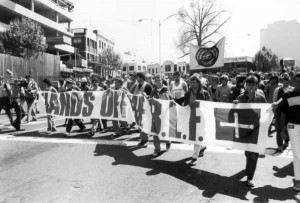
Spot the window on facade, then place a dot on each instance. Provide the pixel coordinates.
(149, 70)
(168, 68)
(156, 70)
(100, 44)
(76, 40)
(139, 68)
(124, 68)
(131, 68)
(175, 67)
(88, 42)
(179, 68)
(144, 67)
(183, 68)
(152, 70)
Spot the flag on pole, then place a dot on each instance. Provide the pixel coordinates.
(204, 58)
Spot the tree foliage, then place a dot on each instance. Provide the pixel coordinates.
(111, 59)
(23, 34)
(265, 60)
(200, 22)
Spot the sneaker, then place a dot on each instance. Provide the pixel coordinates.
(143, 143)
(82, 129)
(67, 134)
(201, 153)
(91, 134)
(250, 182)
(286, 144)
(193, 162)
(54, 130)
(280, 148)
(156, 154)
(168, 146)
(296, 186)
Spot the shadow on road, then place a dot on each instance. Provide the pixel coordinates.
(210, 183)
(285, 171)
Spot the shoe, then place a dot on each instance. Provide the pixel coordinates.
(67, 134)
(91, 134)
(82, 129)
(54, 130)
(286, 144)
(156, 154)
(280, 148)
(295, 188)
(193, 162)
(143, 143)
(34, 119)
(250, 183)
(201, 153)
(99, 130)
(168, 146)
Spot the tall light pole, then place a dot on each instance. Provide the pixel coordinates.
(160, 22)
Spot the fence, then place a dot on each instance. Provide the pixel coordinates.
(38, 65)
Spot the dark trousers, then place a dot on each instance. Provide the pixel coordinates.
(16, 106)
(251, 162)
(280, 130)
(6, 105)
(104, 123)
(70, 124)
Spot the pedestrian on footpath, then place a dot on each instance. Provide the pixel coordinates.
(251, 95)
(30, 98)
(50, 120)
(290, 106)
(196, 92)
(17, 91)
(5, 99)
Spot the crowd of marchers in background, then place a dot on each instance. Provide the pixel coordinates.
(252, 87)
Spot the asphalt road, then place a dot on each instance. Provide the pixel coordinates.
(38, 167)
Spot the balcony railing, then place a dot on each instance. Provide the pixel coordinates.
(64, 4)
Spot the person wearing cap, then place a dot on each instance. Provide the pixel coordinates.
(290, 107)
(96, 125)
(30, 98)
(281, 131)
(251, 95)
(70, 86)
(5, 99)
(196, 92)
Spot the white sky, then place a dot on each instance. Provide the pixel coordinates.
(119, 20)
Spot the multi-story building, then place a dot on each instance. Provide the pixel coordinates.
(238, 64)
(89, 45)
(283, 38)
(169, 67)
(154, 68)
(134, 67)
(54, 16)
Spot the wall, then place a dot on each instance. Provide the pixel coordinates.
(39, 66)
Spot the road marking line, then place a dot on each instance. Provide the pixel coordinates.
(70, 140)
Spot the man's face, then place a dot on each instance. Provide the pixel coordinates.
(133, 78)
(251, 87)
(176, 78)
(273, 81)
(194, 84)
(214, 81)
(285, 81)
(223, 81)
(139, 79)
(95, 84)
(158, 81)
(28, 79)
(117, 85)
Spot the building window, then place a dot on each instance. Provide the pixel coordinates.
(144, 67)
(156, 70)
(152, 70)
(76, 40)
(100, 44)
(139, 68)
(168, 68)
(149, 70)
(179, 68)
(88, 42)
(124, 68)
(131, 68)
(175, 67)
(183, 68)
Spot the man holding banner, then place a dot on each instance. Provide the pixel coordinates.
(251, 96)
(196, 92)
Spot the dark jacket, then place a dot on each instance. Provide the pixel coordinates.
(202, 94)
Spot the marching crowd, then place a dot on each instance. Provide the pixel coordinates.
(282, 89)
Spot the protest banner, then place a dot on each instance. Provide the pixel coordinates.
(241, 126)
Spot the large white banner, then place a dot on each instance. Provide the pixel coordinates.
(241, 126)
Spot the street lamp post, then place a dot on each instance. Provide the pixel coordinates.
(159, 32)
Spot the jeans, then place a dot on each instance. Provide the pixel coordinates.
(294, 132)
(70, 124)
(51, 124)
(251, 162)
(31, 109)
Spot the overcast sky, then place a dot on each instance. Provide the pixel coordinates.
(119, 20)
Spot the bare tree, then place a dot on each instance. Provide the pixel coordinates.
(200, 22)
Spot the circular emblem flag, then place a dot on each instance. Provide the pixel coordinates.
(207, 56)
